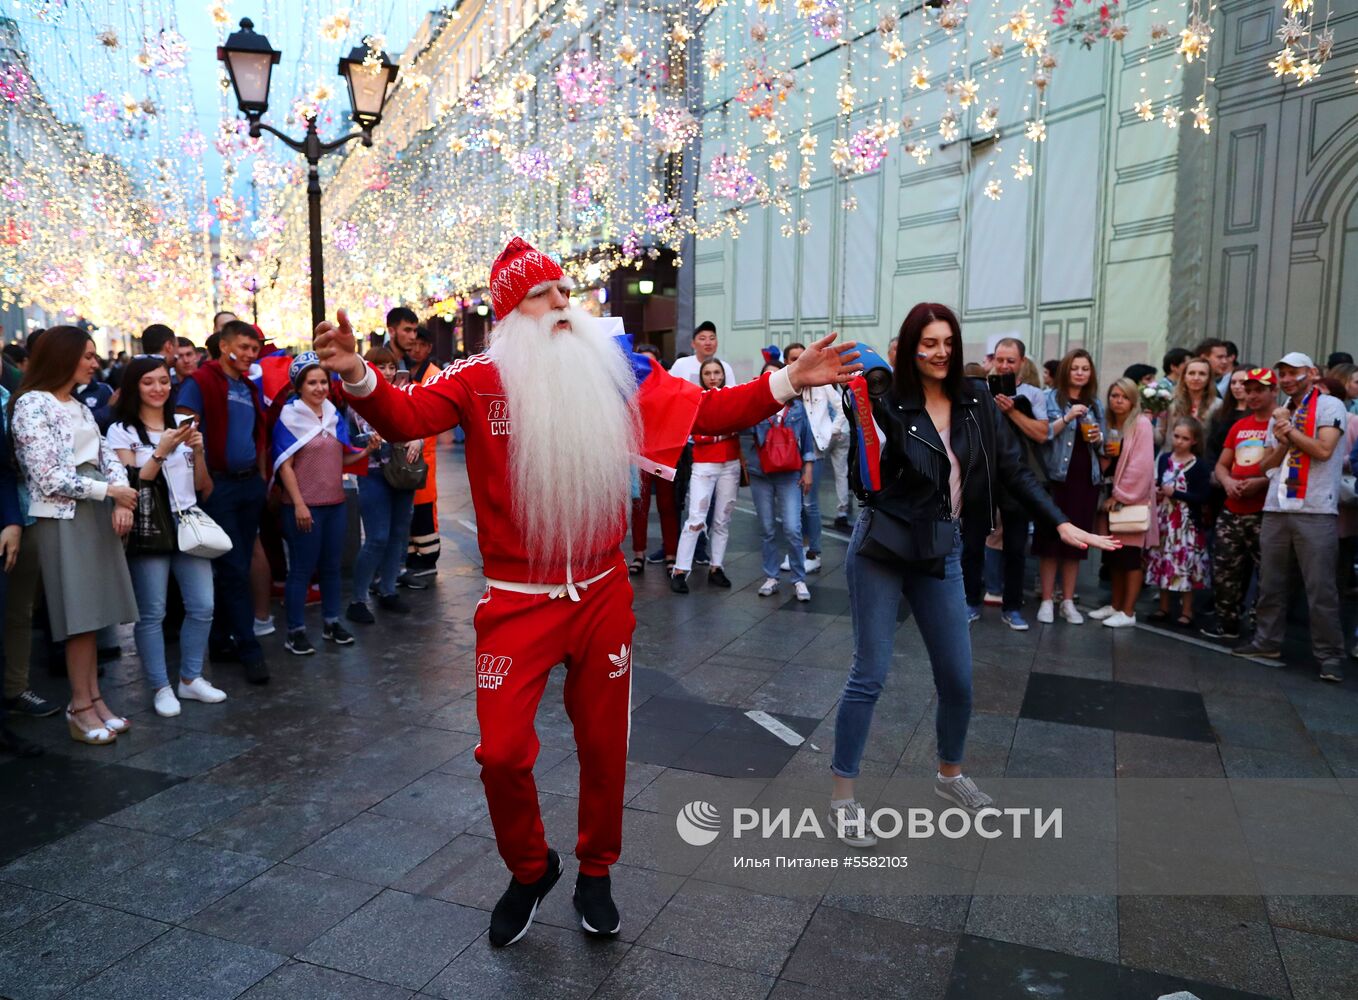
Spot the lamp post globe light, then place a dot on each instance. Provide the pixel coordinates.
(370, 77)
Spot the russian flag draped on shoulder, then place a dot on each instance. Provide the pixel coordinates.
(668, 408)
(298, 424)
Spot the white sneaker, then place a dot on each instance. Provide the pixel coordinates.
(1044, 613)
(770, 587)
(850, 824)
(993, 600)
(1120, 619)
(1071, 613)
(264, 626)
(813, 564)
(1107, 611)
(802, 591)
(201, 689)
(786, 565)
(167, 705)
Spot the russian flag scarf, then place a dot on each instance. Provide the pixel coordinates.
(1297, 465)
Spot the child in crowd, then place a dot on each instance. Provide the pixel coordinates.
(1179, 562)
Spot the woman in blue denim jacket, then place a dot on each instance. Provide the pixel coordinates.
(1075, 429)
(778, 495)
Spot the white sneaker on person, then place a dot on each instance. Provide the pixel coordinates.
(264, 626)
(770, 587)
(802, 591)
(167, 705)
(850, 824)
(786, 565)
(1107, 611)
(1071, 613)
(201, 689)
(994, 600)
(1044, 613)
(813, 564)
(1119, 619)
(963, 792)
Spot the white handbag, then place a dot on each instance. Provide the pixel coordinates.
(199, 535)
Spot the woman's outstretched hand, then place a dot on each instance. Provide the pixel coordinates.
(1077, 538)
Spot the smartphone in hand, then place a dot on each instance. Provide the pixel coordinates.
(1003, 385)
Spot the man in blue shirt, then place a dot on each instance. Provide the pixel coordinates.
(235, 434)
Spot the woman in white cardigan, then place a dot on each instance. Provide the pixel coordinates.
(79, 496)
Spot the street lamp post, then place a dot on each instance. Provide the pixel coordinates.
(249, 63)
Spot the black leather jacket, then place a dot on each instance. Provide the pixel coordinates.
(915, 467)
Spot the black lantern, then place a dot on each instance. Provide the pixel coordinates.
(370, 79)
(249, 63)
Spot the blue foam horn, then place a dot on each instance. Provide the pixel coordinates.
(876, 371)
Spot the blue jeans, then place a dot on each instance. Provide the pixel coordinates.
(811, 510)
(939, 608)
(386, 529)
(316, 551)
(779, 498)
(150, 582)
(236, 505)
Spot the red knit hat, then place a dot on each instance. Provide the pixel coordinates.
(516, 272)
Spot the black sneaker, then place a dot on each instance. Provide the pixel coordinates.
(12, 742)
(411, 582)
(336, 633)
(393, 603)
(593, 900)
(423, 571)
(1220, 633)
(31, 703)
(716, 578)
(514, 913)
(679, 583)
(359, 612)
(298, 644)
(1252, 648)
(842, 524)
(257, 672)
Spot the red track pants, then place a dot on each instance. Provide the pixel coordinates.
(519, 638)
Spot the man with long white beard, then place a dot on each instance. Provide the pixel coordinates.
(555, 413)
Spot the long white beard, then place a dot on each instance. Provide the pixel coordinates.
(574, 430)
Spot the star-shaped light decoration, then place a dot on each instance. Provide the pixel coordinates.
(919, 75)
(1022, 169)
(994, 190)
(989, 119)
(1193, 40)
(967, 92)
(1202, 118)
(1285, 63)
(1143, 110)
(895, 50)
(573, 13)
(1036, 130)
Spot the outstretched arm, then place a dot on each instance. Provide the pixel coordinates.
(414, 411)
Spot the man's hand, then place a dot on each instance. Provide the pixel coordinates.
(335, 346)
(9, 545)
(1005, 403)
(821, 364)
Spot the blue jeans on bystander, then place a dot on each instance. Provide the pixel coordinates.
(316, 551)
(779, 497)
(386, 530)
(151, 582)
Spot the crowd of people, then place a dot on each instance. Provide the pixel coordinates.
(196, 481)
(103, 463)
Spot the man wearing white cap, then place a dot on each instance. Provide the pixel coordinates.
(1301, 517)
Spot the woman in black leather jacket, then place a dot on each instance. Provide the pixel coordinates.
(947, 448)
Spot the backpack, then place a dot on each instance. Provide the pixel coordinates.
(779, 452)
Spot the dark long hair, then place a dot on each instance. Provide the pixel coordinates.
(1089, 395)
(53, 361)
(908, 382)
(128, 408)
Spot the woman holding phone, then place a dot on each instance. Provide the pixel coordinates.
(944, 454)
(154, 443)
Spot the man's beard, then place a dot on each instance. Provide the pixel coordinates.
(573, 432)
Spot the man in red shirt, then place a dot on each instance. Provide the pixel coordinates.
(555, 414)
(1241, 475)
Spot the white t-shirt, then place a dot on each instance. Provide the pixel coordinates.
(690, 367)
(1322, 482)
(84, 432)
(178, 467)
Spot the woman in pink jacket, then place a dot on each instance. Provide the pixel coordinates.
(1129, 465)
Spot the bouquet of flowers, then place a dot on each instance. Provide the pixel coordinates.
(1155, 399)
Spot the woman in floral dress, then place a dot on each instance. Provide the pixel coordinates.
(1179, 562)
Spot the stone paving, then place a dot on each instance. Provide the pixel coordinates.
(326, 836)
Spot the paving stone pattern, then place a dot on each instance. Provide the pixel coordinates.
(326, 836)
